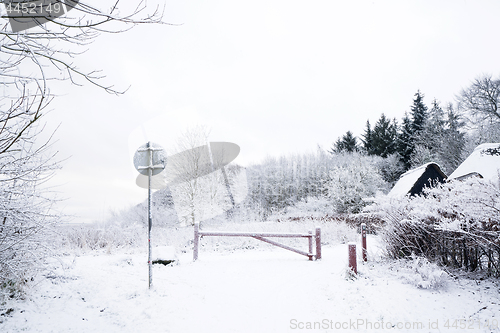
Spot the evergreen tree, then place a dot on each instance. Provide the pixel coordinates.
(418, 114)
(405, 142)
(348, 143)
(436, 120)
(367, 139)
(431, 136)
(412, 130)
(384, 137)
(428, 143)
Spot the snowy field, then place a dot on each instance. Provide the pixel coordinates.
(254, 290)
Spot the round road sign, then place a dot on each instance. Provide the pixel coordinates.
(150, 156)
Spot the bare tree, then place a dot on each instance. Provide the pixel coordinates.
(195, 186)
(29, 61)
(188, 170)
(200, 184)
(481, 100)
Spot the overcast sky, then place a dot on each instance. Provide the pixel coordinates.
(274, 77)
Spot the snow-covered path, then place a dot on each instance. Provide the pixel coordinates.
(248, 291)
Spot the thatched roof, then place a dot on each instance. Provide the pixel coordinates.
(413, 181)
(484, 162)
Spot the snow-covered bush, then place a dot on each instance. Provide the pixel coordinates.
(391, 168)
(456, 223)
(354, 179)
(421, 273)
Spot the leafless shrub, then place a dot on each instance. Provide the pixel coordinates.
(455, 224)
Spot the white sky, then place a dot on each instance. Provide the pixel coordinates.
(274, 77)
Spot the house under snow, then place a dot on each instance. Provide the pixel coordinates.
(413, 181)
(484, 162)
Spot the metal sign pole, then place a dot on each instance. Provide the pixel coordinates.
(150, 222)
(150, 160)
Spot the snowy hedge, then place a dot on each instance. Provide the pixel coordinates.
(456, 224)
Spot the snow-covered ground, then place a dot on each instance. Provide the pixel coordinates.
(253, 290)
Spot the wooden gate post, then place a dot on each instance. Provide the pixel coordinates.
(363, 241)
(352, 258)
(195, 240)
(310, 239)
(318, 243)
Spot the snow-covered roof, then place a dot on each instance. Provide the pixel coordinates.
(409, 179)
(485, 160)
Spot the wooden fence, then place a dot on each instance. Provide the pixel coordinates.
(263, 236)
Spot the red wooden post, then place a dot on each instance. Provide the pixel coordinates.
(310, 239)
(195, 241)
(352, 258)
(318, 243)
(363, 241)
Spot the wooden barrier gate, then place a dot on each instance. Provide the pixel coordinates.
(261, 236)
